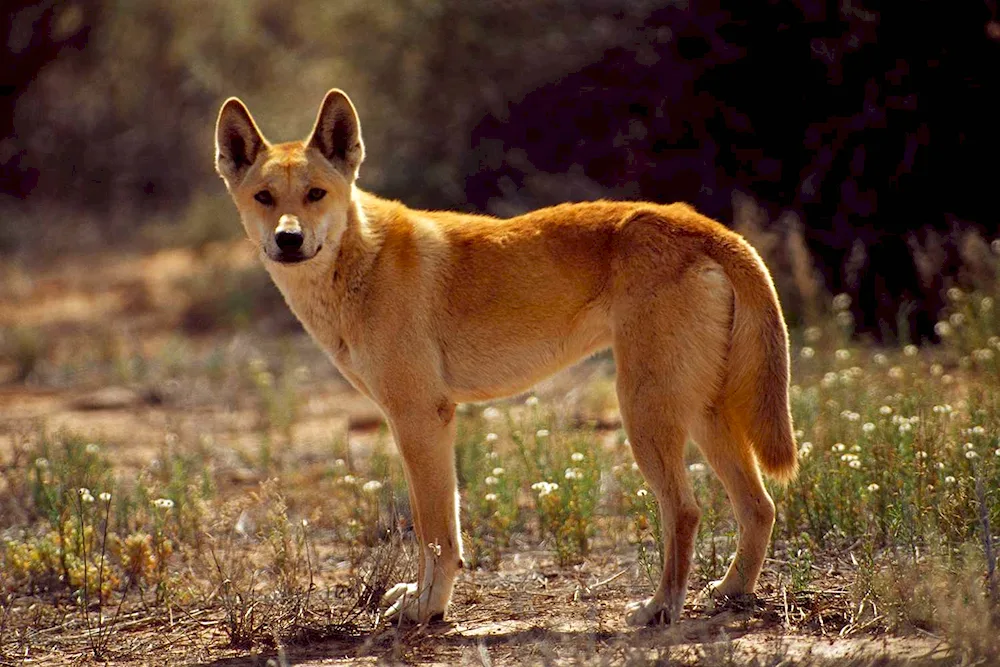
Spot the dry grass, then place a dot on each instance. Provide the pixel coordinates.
(256, 507)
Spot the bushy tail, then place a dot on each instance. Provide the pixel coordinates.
(756, 388)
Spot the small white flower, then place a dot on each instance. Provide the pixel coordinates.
(85, 496)
(371, 486)
(949, 480)
(340, 463)
(105, 497)
(983, 355)
(839, 447)
(942, 329)
(41, 462)
(573, 473)
(947, 379)
(491, 481)
(490, 497)
(936, 370)
(642, 493)
(842, 355)
(921, 454)
(491, 414)
(842, 301)
(885, 410)
(939, 465)
(807, 353)
(910, 350)
(986, 304)
(577, 456)
(531, 401)
(896, 373)
(905, 427)
(967, 446)
(544, 488)
(855, 464)
(542, 433)
(92, 448)
(813, 334)
(955, 294)
(697, 468)
(349, 479)
(164, 503)
(997, 452)
(492, 437)
(971, 454)
(805, 449)
(868, 427)
(872, 488)
(956, 320)
(880, 359)
(635, 466)
(497, 472)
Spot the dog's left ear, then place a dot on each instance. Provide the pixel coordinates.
(238, 142)
(337, 132)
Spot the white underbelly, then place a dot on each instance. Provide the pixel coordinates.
(494, 369)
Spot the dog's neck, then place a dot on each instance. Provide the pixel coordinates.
(315, 290)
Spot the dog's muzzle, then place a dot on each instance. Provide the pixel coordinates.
(289, 238)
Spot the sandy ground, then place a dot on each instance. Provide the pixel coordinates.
(528, 612)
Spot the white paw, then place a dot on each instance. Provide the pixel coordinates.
(407, 605)
(715, 589)
(648, 612)
(719, 591)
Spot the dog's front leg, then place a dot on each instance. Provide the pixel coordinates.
(425, 438)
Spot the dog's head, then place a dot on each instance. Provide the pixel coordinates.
(294, 197)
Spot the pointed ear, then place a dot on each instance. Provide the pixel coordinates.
(238, 142)
(337, 132)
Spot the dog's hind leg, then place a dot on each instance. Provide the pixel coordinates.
(671, 313)
(658, 446)
(726, 448)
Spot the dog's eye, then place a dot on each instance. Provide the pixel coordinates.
(315, 194)
(265, 198)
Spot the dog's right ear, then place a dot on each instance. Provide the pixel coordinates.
(337, 132)
(238, 142)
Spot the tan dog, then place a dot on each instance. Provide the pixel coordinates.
(421, 310)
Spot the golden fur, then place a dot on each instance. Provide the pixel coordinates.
(421, 310)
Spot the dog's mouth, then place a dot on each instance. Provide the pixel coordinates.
(292, 257)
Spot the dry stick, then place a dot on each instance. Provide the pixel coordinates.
(991, 559)
(102, 636)
(86, 585)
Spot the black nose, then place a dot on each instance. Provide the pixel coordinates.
(288, 240)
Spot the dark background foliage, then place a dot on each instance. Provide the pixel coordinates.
(875, 123)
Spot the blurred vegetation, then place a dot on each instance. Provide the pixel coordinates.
(118, 125)
(873, 125)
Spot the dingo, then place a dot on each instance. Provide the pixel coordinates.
(421, 310)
